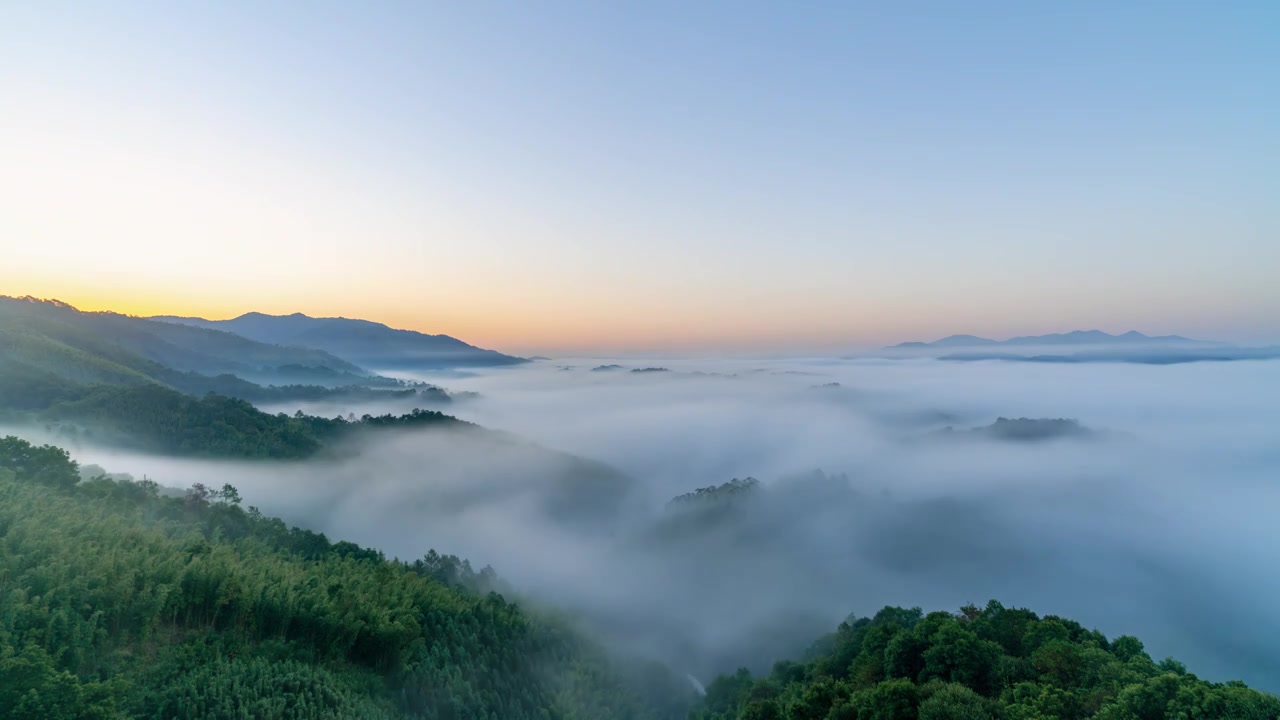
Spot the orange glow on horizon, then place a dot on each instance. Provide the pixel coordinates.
(603, 329)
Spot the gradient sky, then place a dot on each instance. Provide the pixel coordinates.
(663, 175)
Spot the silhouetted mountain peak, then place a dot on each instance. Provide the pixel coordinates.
(108, 347)
(47, 302)
(964, 340)
(364, 342)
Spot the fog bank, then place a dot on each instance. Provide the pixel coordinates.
(1162, 528)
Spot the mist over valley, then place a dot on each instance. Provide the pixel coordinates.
(639, 361)
(880, 483)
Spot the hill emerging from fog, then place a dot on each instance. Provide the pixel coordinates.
(47, 345)
(191, 607)
(92, 378)
(1075, 337)
(110, 347)
(1025, 430)
(366, 343)
(143, 384)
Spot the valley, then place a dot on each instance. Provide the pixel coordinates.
(575, 490)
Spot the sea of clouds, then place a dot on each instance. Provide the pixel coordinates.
(1163, 526)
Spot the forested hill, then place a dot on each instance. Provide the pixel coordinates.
(106, 347)
(991, 663)
(96, 373)
(368, 343)
(158, 420)
(124, 602)
(120, 602)
(45, 344)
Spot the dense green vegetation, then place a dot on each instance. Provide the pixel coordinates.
(155, 419)
(119, 601)
(716, 494)
(991, 663)
(232, 386)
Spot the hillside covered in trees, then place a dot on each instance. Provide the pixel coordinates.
(992, 663)
(110, 347)
(48, 343)
(104, 375)
(121, 601)
(154, 419)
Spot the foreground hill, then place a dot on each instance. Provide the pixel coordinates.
(370, 344)
(125, 601)
(980, 664)
(121, 602)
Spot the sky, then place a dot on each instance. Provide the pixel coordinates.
(663, 176)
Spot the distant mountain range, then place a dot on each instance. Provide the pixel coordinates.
(1075, 337)
(368, 344)
(1085, 346)
(1149, 355)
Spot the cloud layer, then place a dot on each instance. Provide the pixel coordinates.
(1163, 528)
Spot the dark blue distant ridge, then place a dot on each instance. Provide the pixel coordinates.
(1075, 337)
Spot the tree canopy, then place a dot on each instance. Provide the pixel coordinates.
(122, 602)
(990, 663)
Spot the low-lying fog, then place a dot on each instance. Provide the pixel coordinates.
(1163, 527)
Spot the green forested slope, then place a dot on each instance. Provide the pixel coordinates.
(86, 372)
(155, 418)
(991, 663)
(48, 331)
(21, 347)
(63, 346)
(118, 602)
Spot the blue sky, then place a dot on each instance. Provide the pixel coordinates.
(652, 175)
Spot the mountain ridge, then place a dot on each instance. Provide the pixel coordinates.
(29, 323)
(364, 342)
(1073, 337)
